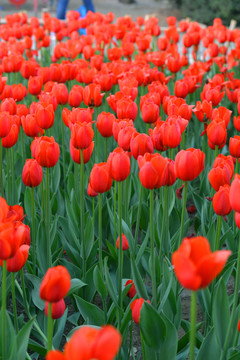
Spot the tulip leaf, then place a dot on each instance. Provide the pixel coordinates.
(90, 312)
(36, 282)
(221, 314)
(110, 286)
(138, 281)
(22, 339)
(10, 337)
(60, 330)
(153, 327)
(56, 175)
(209, 348)
(168, 348)
(27, 202)
(99, 283)
(76, 284)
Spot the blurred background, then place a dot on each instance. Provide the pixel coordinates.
(203, 11)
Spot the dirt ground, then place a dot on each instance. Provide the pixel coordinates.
(160, 8)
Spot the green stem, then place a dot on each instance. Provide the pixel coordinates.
(49, 260)
(218, 232)
(49, 327)
(22, 145)
(183, 212)
(183, 140)
(1, 170)
(93, 212)
(165, 218)
(14, 302)
(12, 174)
(33, 240)
(106, 148)
(235, 301)
(115, 210)
(138, 218)
(100, 232)
(4, 306)
(237, 166)
(63, 148)
(193, 324)
(120, 253)
(154, 285)
(82, 215)
(8, 178)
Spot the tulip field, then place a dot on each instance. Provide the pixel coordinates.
(119, 189)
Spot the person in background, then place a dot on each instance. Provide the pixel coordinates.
(63, 4)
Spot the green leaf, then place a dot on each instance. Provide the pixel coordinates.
(88, 236)
(138, 281)
(91, 313)
(60, 330)
(76, 284)
(99, 283)
(34, 346)
(110, 286)
(10, 336)
(36, 282)
(168, 348)
(56, 175)
(22, 339)
(153, 327)
(221, 314)
(209, 348)
(27, 202)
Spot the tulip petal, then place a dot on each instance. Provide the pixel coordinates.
(211, 266)
(185, 271)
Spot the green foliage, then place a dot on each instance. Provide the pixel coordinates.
(205, 11)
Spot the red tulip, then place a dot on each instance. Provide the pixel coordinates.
(125, 245)
(16, 263)
(100, 180)
(221, 201)
(45, 150)
(35, 84)
(140, 144)
(235, 193)
(105, 124)
(234, 146)
(32, 173)
(58, 309)
(119, 164)
(76, 153)
(189, 164)
(55, 284)
(136, 306)
(195, 265)
(132, 291)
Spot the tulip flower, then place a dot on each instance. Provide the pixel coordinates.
(89, 343)
(132, 291)
(136, 306)
(58, 309)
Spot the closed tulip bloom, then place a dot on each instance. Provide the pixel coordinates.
(30, 125)
(234, 146)
(61, 93)
(100, 179)
(17, 262)
(132, 291)
(76, 153)
(4, 124)
(140, 144)
(105, 124)
(237, 219)
(214, 95)
(8, 105)
(125, 245)
(195, 265)
(225, 160)
(236, 122)
(127, 109)
(46, 151)
(91, 192)
(125, 136)
(156, 136)
(136, 306)
(189, 164)
(12, 137)
(55, 284)
(181, 88)
(82, 135)
(45, 115)
(11, 237)
(152, 170)
(19, 92)
(221, 201)
(35, 84)
(217, 133)
(219, 176)
(120, 124)
(235, 193)
(171, 133)
(150, 112)
(32, 173)
(58, 309)
(119, 164)
(75, 96)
